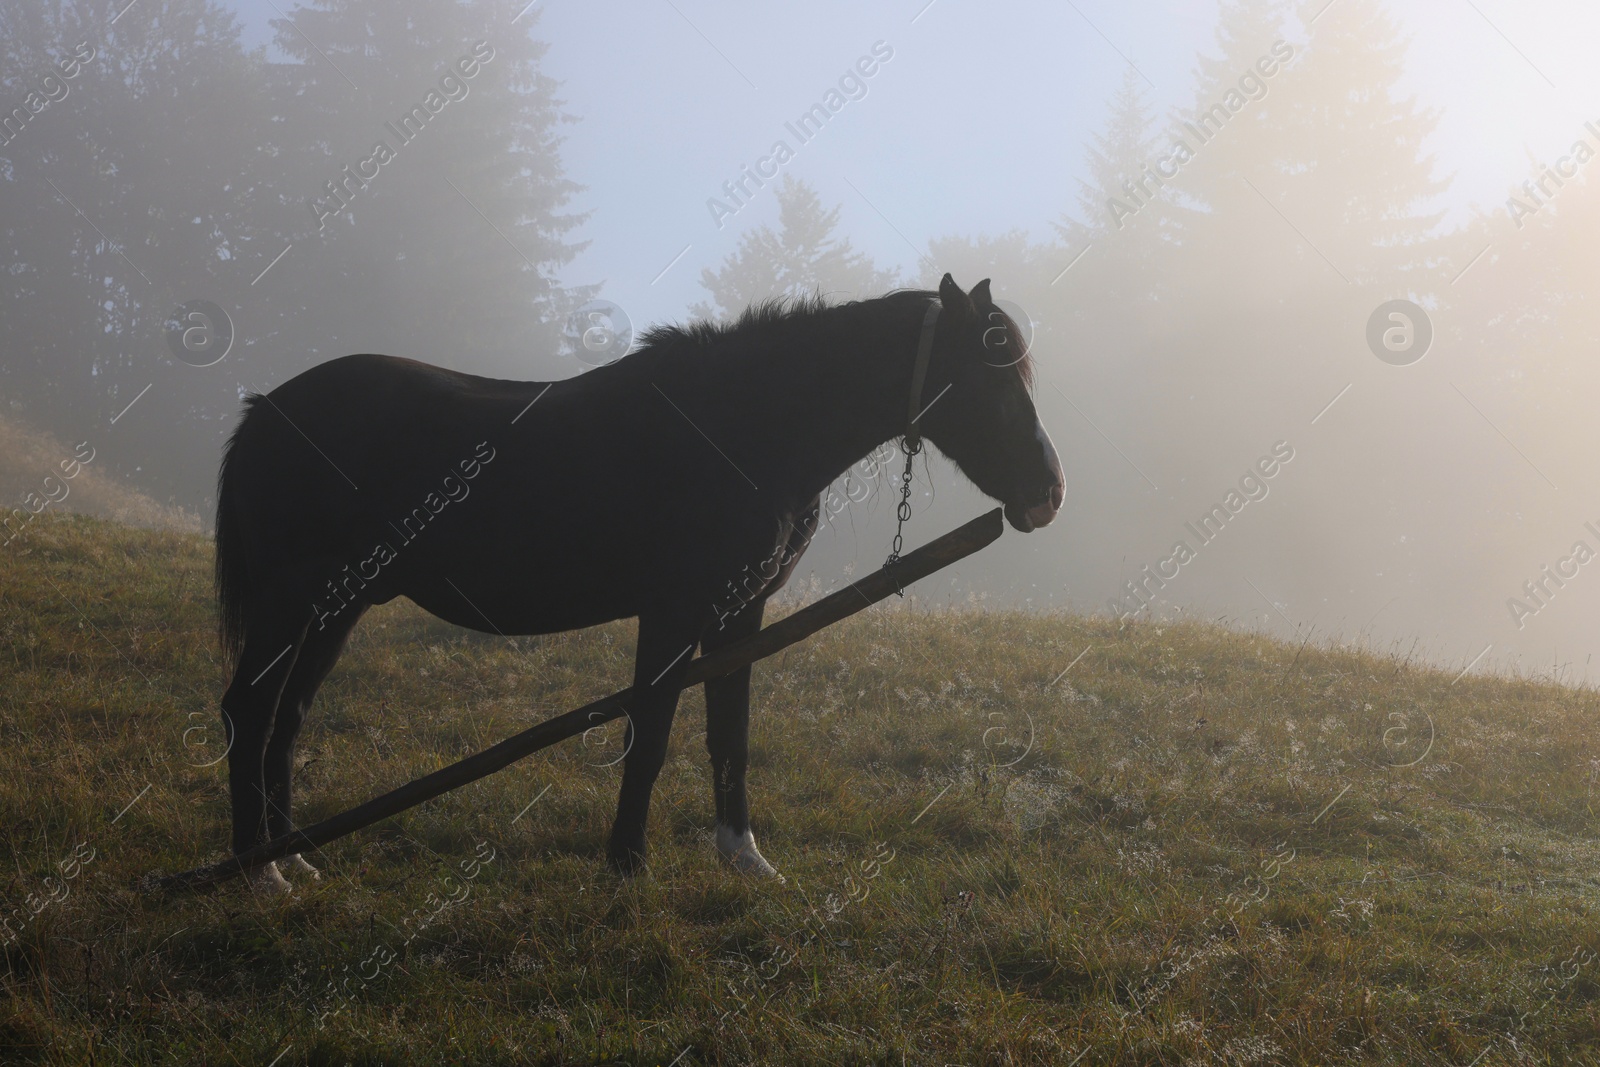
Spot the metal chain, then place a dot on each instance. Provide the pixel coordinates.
(903, 512)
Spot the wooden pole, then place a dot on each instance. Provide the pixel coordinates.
(957, 544)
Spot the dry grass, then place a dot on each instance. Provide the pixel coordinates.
(1109, 890)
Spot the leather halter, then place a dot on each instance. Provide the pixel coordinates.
(919, 372)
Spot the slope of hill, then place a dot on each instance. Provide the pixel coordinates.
(28, 457)
(1008, 839)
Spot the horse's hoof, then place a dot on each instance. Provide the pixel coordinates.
(298, 865)
(739, 849)
(625, 863)
(267, 879)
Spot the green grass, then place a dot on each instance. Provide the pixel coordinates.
(1111, 893)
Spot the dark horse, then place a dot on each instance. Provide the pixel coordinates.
(642, 488)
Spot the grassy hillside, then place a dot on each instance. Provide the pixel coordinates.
(29, 457)
(1216, 849)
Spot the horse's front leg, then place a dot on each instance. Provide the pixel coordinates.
(728, 741)
(728, 705)
(666, 644)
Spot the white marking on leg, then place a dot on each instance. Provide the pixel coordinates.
(739, 849)
(266, 879)
(297, 864)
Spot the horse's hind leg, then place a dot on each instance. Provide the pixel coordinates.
(274, 631)
(318, 653)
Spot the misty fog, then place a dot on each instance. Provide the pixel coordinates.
(1305, 281)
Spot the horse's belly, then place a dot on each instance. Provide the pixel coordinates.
(500, 604)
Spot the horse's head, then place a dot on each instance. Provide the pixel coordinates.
(986, 421)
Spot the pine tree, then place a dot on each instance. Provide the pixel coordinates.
(1121, 243)
(197, 164)
(804, 257)
(451, 253)
(1317, 199)
(155, 143)
(1331, 146)
(1116, 155)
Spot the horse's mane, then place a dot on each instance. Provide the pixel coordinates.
(762, 316)
(775, 312)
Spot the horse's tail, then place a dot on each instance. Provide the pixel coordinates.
(232, 567)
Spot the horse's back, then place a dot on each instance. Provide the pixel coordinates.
(322, 455)
(377, 387)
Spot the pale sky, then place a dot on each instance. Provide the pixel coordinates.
(674, 97)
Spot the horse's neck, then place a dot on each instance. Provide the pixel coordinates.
(856, 383)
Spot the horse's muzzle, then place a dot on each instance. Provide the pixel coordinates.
(1028, 519)
(1043, 514)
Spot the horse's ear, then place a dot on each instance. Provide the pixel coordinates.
(980, 294)
(951, 296)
